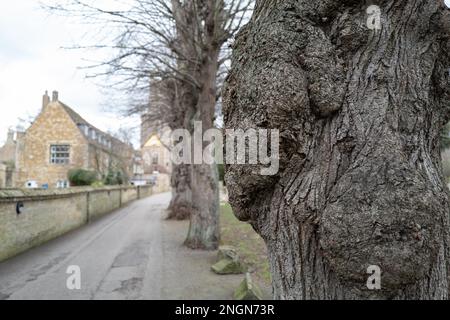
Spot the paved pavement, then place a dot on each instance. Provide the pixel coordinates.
(132, 253)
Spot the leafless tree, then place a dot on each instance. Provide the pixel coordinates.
(124, 134)
(177, 46)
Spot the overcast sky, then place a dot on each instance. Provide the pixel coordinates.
(32, 60)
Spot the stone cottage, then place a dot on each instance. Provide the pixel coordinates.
(59, 139)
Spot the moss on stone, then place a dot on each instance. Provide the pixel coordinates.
(247, 290)
(228, 266)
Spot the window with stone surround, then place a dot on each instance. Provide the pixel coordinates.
(59, 154)
(155, 158)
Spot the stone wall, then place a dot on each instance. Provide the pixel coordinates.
(7, 176)
(129, 194)
(2, 176)
(102, 202)
(162, 183)
(146, 191)
(8, 150)
(47, 214)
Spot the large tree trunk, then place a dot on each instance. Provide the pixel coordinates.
(183, 99)
(359, 113)
(204, 231)
(180, 206)
(198, 103)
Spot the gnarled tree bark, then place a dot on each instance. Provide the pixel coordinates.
(180, 205)
(359, 113)
(204, 229)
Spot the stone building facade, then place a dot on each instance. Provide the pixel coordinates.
(8, 161)
(155, 148)
(155, 156)
(8, 150)
(3, 171)
(59, 140)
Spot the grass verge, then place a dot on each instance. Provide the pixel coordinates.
(250, 245)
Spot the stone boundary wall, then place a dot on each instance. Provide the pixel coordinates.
(163, 183)
(29, 217)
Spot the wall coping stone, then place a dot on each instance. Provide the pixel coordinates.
(14, 195)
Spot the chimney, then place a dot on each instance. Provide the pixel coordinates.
(45, 99)
(55, 96)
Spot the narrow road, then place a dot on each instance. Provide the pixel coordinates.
(132, 253)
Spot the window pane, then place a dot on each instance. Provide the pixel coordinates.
(59, 154)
